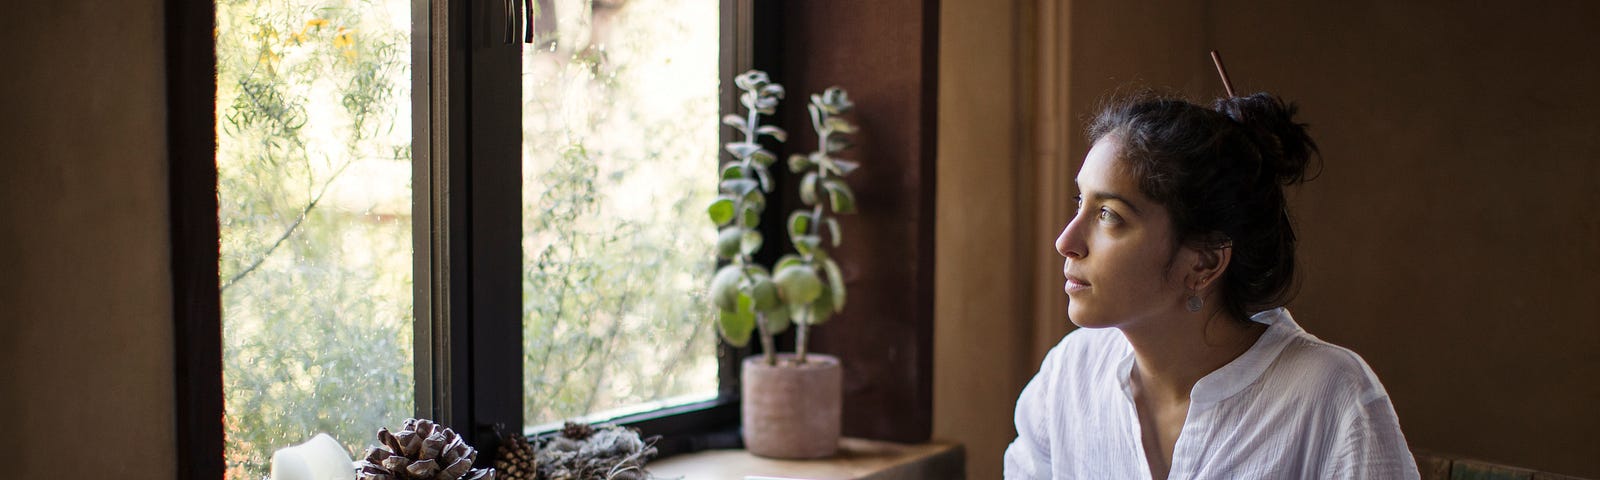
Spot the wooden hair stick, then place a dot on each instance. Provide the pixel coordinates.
(1226, 84)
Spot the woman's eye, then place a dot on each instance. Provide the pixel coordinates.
(1106, 215)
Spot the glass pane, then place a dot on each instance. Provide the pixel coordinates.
(314, 193)
(619, 160)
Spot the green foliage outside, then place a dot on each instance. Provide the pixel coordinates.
(619, 137)
(314, 192)
(313, 168)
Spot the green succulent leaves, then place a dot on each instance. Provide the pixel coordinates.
(761, 95)
(742, 291)
(721, 211)
(735, 325)
(806, 287)
(728, 242)
(833, 101)
(801, 277)
(798, 284)
(774, 132)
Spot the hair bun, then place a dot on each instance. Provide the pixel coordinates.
(1286, 148)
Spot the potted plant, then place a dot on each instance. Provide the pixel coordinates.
(791, 402)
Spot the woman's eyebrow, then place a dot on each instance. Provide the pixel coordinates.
(1101, 196)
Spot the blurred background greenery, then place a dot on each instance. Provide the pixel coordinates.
(314, 187)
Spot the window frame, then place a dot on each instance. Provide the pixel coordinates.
(467, 283)
(192, 193)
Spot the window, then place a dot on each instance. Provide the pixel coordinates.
(470, 261)
(364, 258)
(619, 146)
(314, 200)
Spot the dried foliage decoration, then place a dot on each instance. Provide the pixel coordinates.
(604, 452)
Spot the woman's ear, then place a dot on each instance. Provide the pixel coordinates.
(1210, 262)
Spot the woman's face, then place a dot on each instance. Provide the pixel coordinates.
(1120, 269)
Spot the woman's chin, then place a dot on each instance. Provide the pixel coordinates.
(1085, 317)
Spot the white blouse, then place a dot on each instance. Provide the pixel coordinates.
(1293, 406)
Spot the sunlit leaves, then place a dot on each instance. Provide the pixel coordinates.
(798, 284)
(752, 216)
(743, 180)
(729, 240)
(808, 188)
(736, 324)
(820, 174)
(799, 163)
(741, 149)
(721, 211)
(750, 242)
(835, 283)
(799, 223)
(807, 245)
(833, 230)
(739, 186)
(736, 122)
(313, 168)
(774, 132)
(839, 195)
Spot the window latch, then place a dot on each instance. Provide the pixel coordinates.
(509, 7)
(527, 21)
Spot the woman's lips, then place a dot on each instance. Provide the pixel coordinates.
(1076, 284)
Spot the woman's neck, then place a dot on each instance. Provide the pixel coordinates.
(1173, 353)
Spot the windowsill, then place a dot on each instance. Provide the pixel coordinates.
(857, 459)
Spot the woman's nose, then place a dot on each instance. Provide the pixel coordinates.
(1070, 243)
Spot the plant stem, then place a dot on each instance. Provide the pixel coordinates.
(768, 351)
(750, 129)
(800, 329)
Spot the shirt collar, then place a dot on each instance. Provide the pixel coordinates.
(1236, 375)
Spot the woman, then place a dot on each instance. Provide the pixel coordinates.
(1178, 264)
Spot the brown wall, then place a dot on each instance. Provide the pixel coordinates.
(86, 350)
(879, 52)
(977, 316)
(1453, 239)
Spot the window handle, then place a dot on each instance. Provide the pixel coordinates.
(527, 21)
(510, 9)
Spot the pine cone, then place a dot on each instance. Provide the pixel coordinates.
(577, 431)
(517, 459)
(422, 450)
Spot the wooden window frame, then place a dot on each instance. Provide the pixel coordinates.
(468, 270)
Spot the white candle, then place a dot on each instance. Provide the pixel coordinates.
(320, 458)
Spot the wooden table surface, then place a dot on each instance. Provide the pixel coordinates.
(857, 459)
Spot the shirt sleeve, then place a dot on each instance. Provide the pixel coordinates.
(1028, 457)
(1370, 445)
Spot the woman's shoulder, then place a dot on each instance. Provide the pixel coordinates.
(1324, 369)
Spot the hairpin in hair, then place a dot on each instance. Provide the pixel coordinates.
(1226, 84)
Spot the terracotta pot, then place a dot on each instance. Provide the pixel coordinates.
(791, 410)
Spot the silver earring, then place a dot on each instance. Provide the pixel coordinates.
(1195, 303)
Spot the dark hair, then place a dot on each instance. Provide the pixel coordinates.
(1220, 171)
